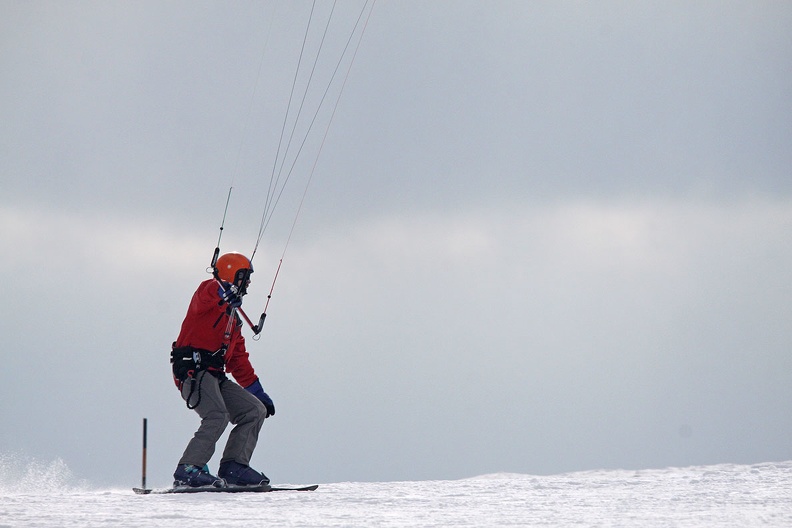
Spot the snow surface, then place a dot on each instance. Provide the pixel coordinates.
(708, 496)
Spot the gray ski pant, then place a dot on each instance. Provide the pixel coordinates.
(221, 402)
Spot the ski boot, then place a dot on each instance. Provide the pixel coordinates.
(195, 476)
(236, 474)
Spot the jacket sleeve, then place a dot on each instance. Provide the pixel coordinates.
(206, 298)
(238, 365)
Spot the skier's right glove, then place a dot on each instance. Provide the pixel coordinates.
(228, 296)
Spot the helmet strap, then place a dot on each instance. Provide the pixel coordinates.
(241, 279)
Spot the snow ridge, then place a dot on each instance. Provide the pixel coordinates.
(725, 495)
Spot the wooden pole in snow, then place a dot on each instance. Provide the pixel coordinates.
(145, 433)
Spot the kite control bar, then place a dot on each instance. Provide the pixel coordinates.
(256, 328)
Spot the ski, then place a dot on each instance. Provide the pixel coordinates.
(225, 489)
(312, 487)
(203, 489)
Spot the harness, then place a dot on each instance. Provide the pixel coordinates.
(189, 361)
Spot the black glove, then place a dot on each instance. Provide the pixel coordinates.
(256, 390)
(227, 295)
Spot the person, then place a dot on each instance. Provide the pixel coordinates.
(210, 344)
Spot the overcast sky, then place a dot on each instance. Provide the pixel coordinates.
(540, 236)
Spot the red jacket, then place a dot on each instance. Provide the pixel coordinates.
(204, 327)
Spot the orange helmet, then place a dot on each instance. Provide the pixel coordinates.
(234, 268)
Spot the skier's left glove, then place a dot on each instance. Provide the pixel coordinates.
(256, 390)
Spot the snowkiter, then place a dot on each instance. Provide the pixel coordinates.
(210, 345)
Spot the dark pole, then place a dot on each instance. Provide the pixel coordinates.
(145, 433)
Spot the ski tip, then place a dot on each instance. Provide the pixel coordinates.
(312, 487)
(141, 491)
